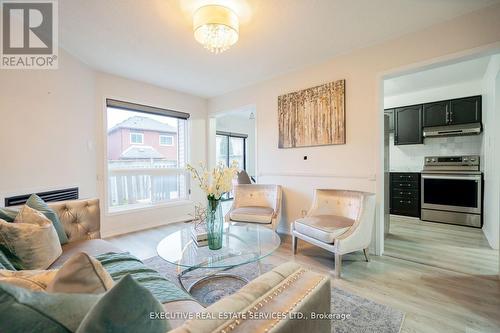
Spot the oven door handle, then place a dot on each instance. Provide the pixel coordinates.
(457, 177)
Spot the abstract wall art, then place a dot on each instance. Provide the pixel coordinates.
(312, 117)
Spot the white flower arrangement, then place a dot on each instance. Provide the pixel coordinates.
(216, 182)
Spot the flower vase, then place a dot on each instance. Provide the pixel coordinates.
(215, 224)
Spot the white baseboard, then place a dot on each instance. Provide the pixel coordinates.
(125, 229)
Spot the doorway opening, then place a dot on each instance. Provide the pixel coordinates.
(234, 140)
(441, 157)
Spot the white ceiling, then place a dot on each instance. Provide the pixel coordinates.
(465, 71)
(152, 40)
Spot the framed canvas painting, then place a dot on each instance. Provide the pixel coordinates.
(312, 117)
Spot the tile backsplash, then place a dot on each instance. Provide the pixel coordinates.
(410, 158)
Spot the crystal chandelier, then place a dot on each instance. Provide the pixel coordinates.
(215, 27)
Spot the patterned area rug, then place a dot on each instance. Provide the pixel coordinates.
(360, 314)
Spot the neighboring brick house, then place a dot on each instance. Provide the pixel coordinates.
(141, 138)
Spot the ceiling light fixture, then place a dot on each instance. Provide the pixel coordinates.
(215, 27)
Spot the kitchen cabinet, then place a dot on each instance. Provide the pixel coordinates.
(436, 114)
(405, 193)
(465, 110)
(452, 112)
(408, 125)
(390, 113)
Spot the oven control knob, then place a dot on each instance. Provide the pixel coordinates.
(472, 159)
(465, 159)
(427, 159)
(433, 160)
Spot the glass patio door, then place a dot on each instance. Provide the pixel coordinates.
(231, 147)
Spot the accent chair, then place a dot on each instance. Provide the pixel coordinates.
(256, 203)
(339, 221)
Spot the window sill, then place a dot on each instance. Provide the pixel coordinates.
(136, 208)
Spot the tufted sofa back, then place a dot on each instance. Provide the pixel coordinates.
(81, 218)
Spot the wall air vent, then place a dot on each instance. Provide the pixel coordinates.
(49, 196)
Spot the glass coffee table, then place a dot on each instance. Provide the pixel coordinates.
(243, 243)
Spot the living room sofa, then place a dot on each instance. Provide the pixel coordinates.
(288, 288)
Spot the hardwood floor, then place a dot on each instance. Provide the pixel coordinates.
(433, 299)
(452, 247)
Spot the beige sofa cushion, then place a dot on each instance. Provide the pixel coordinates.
(324, 228)
(93, 247)
(252, 214)
(32, 238)
(81, 274)
(36, 280)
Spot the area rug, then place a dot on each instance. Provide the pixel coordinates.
(360, 315)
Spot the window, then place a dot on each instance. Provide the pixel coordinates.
(136, 138)
(166, 140)
(231, 147)
(140, 173)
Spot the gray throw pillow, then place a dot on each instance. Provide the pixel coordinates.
(126, 308)
(8, 215)
(23, 310)
(37, 203)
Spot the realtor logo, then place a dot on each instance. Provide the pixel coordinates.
(29, 34)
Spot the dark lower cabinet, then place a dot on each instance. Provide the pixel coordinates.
(408, 125)
(405, 193)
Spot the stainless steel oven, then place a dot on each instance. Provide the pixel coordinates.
(452, 190)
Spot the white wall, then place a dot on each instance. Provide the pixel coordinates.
(454, 90)
(237, 123)
(53, 135)
(491, 151)
(48, 129)
(355, 164)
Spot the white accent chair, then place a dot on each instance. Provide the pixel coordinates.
(339, 221)
(256, 203)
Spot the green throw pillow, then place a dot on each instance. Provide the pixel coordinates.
(23, 310)
(5, 263)
(11, 258)
(8, 215)
(37, 203)
(126, 308)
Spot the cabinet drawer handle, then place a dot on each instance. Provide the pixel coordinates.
(403, 201)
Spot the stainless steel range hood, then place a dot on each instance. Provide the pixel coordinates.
(453, 130)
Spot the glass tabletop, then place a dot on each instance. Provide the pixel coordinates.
(242, 244)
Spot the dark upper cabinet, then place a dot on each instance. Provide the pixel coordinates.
(408, 125)
(436, 114)
(390, 113)
(465, 110)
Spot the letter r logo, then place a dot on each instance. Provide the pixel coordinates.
(27, 27)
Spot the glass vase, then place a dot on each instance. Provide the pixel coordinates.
(215, 224)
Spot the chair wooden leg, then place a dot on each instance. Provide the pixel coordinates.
(338, 264)
(294, 244)
(367, 254)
